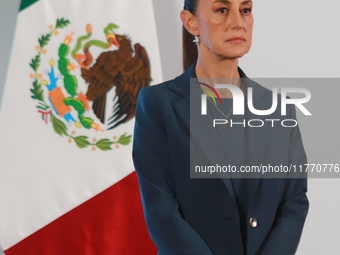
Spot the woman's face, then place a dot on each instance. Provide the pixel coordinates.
(225, 26)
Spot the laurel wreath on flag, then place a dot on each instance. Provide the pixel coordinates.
(46, 110)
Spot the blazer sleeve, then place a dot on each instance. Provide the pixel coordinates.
(151, 156)
(293, 209)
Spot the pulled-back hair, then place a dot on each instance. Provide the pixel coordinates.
(190, 53)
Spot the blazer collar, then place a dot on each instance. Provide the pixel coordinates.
(181, 83)
(258, 138)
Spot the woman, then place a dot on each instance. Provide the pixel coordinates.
(215, 216)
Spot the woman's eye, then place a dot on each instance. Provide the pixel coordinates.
(222, 10)
(246, 11)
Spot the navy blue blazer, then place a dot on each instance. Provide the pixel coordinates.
(188, 216)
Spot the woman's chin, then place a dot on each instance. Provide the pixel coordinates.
(232, 55)
(234, 52)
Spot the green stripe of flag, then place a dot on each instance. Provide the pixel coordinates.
(26, 3)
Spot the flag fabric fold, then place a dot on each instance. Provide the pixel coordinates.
(67, 177)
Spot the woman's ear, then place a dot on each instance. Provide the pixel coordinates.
(189, 22)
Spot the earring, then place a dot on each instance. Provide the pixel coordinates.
(196, 39)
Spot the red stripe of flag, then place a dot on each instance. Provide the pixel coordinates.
(110, 223)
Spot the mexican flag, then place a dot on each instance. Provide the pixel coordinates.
(67, 180)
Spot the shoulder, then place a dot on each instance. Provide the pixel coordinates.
(154, 98)
(154, 103)
(264, 98)
(159, 88)
(164, 93)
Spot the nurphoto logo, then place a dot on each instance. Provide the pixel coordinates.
(238, 104)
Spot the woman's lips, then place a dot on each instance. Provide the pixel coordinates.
(236, 39)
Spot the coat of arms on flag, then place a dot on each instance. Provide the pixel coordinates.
(61, 101)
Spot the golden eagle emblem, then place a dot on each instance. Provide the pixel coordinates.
(120, 68)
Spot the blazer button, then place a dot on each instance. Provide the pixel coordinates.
(253, 222)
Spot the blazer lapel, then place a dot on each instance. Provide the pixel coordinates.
(258, 137)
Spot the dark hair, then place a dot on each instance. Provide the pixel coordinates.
(190, 53)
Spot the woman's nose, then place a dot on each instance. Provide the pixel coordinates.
(236, 20)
